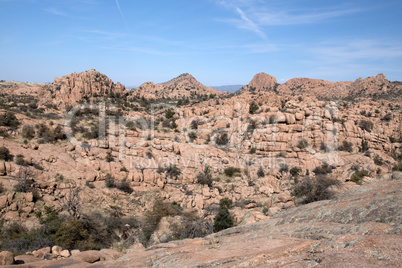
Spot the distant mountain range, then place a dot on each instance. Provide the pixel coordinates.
(230, 88)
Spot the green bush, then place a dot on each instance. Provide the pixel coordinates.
(169, 113)
(19, 160)
(346, 146)
(359, 175)
(222, 139)
(28, 132)
(253, 150)
(295, 171)
(5, 154)
(205, 177)
(253, 108)
(124, 186)
(260, 172)
(322, 170)
(366, 125)
(109, 181)
(192, 136)
(302, 144)
(8, 119)
(173, 171)
(224, 219)
(2, 189)
(310, 190)
(378, 160)
(230, 171)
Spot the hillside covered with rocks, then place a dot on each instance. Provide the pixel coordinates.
(123, 170)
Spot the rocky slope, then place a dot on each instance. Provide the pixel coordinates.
(359, 228)
(376, 87)
(73, 88)
(183, 86)
(269, 141)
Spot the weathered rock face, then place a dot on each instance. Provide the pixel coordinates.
(360, 228)
(375, 86)
(183, 86)
(261, 82)
(72, 88)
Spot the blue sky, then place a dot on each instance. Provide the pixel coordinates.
(219, 42)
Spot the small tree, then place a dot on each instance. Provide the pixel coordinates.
(169, 113)
(5, 154)
(253, 108)
(260, 172)
(205, 177)
(224, 219)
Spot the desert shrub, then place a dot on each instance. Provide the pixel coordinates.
(192, 136)
(253, 150)
(283, 168)
(387, 117)
(295, 171)
(322, 170)
(230, 171)
(5, 154)
(195, 123)
(109, 157)
(19, 160)
(224, 219)
(359, 175)
(309, 190)
(28, 132)
(2, 189)
(205, 177)
(173, 171)
(8, 119)
(192, 226)
(346, 146)
(260, 172)
(302, 144)
(364, 146)
(110, 181)
(366, 125)
(24, 185)
(124, 186)
(253, 108)
(169, 113)
(159, 210)
(378, 160)
(222, 139)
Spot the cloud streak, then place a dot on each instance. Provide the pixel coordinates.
(122, 15)
(255, 15)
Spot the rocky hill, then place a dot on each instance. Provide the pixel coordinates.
(181, 87)
(122, 174)
(76, 87)
(376, 87)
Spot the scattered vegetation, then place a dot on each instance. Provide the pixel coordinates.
(260, 172)
(309, 190)
(366, 125)
(253, 108)
(230, 171)
(205, 177)
(295, 171)
(346, 146)
(224, 219)
(358, 176)
(5, 154)
(222, 139)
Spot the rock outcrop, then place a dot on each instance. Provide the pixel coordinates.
(183, 86)
(73, 88)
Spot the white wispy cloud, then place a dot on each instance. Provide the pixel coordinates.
(122, 15)
(255, 14)
(248, 24)
(57, 12)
